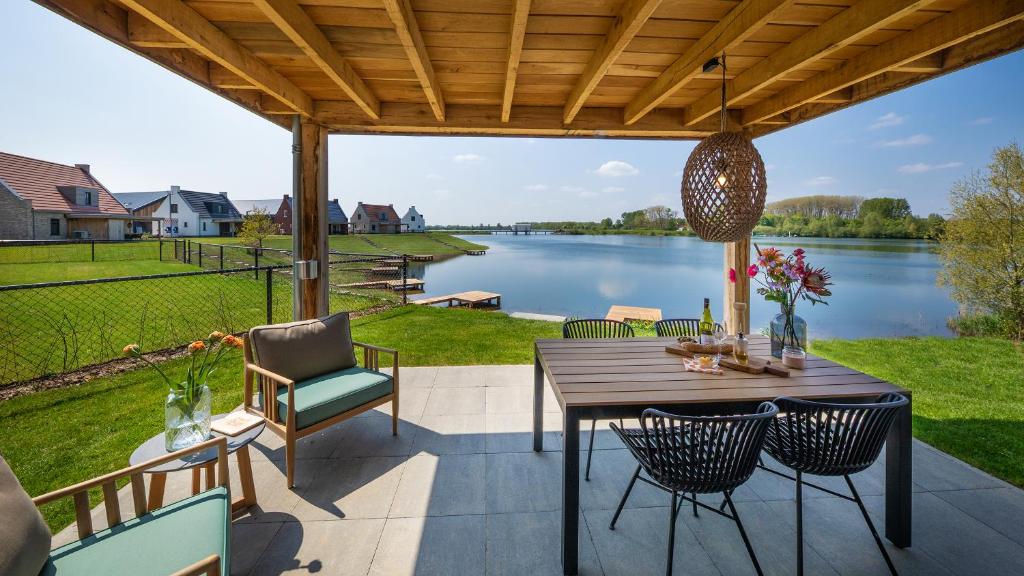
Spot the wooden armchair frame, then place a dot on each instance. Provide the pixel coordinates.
(209, 566)
(269, 382)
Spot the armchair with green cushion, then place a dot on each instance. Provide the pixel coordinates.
(187, 538)
(307, 378)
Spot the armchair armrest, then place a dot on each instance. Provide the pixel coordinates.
(209, 566)
(272, 375)
(371, 356)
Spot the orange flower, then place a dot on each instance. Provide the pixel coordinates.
(232, 341)
(130, 349)
(216, 335)
(196, 346)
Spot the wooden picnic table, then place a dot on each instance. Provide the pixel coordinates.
(613, 378)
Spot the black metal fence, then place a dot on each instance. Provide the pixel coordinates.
(46, 251)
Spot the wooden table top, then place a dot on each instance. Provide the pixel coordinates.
(622, 371)
(623, 313)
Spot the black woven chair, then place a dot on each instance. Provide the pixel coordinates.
(595, 328)
(830, 439)
(696, 455)
(677, 327)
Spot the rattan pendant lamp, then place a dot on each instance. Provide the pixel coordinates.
(724, 185)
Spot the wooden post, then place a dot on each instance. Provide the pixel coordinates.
(737, 256)
(309, 223)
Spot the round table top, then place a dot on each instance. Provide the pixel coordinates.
(156, 447)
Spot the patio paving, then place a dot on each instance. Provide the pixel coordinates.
(460, 491)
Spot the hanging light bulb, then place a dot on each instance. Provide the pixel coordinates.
(724, 185)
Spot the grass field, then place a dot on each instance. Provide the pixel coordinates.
(62, 271)
(58, 437)
(967, 393)
(427, 243)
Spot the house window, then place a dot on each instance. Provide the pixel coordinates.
(383, 216)
(54, 226)
(87, 198)
(413, 218)
(174, 208)
(185, 225)
(204, 226)
(359, 216)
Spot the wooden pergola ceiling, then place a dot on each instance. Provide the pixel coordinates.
(614, 68)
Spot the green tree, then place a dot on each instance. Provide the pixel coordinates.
(982, 248)
(887, 208)
(257, 227)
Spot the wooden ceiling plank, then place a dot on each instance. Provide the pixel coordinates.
(187, 25)
(735, 27)
(631, 18)
(844, 29)
(291, 19)
(404, 20)
(520, 14)
(973, 19)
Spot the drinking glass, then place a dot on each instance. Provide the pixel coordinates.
(719, 336)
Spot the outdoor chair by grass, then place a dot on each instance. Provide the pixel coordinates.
(310, 368)
(186, 538)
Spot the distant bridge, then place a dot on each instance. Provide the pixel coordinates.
(512, 231)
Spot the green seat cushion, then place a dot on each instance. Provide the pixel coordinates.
(323, 397)
(160, 542)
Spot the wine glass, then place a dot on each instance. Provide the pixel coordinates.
(719, 335)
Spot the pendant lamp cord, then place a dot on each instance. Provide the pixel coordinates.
(723, 92)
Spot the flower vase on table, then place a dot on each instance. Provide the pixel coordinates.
(787, 330)
(188, 407)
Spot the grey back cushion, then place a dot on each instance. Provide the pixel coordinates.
(24, 536)
(304, 349)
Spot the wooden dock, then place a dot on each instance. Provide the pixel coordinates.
(397, 285)
(475, 252)
(624, 313)
(384, 270)
(472, 299)
(420, 257)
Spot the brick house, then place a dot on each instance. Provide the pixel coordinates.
(280, 212)
(375, 219)
(42, 200)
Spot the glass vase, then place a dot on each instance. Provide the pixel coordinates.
(187, 417)
(787, 329)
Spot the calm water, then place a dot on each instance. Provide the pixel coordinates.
(882, 288)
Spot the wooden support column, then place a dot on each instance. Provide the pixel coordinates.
(309, 217)
(737, 256)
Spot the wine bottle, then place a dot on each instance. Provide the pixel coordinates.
(707, 324)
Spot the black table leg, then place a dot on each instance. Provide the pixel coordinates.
(898, 478)
(538, 403)
(570, 492)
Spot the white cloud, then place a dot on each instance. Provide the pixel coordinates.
(536, 187)
(572, 189)
(434, 177)
(613, 189)
(441, 193)
(980, 121)
(921, 167)
(887, 120)
(821, 181)
(615, 168)
(915, 140)
(467, 158)
(587, 194)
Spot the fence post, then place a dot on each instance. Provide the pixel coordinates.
(161, 249)
(221, 256)
(200, 254)
(256, 257)
(405, 276)
(270, 296)
(92, 244)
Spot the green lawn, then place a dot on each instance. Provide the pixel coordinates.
(968, 399)
(426, 243)
(58, 437)
(61, 271)
(83, 252)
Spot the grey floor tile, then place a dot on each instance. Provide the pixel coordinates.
(527, 543)
(249, 542)
(508, 375)
(446, 485)
(450, 434)
(411, 403)
(338, 547)
(371, 436)
(460, 377)
(509, 399)
(936, 470)
(441, 545)
(639, 544)
(524, 482)
(274, 500)
(610, 471)
(416, 376)
(351, 488)
(514, 432)
(1000, 508)
(455, 401)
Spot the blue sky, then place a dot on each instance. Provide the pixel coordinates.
(77, 98)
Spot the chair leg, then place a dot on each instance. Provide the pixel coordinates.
(871, 526)
(743, 534)
(590, 448)
(799, 524)
(622, 502)
(289, 459)
(394, 418)
(672, 532)
(695, 515)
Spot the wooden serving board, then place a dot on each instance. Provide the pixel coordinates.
(754, 364)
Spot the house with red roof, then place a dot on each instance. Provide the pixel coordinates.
(375, 219)
(42, 200)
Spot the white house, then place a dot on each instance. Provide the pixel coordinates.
(413, 221)
(190, 213)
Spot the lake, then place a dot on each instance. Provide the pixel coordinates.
(882, 287)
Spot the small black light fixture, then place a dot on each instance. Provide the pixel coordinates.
(712, 65)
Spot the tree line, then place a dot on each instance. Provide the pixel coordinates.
(847, 217)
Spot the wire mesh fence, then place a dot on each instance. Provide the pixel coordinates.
(36, 251)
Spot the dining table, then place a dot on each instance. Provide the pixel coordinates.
(607, 378)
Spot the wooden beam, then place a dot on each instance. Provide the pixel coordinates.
(310, 229)
(843, 29)
(735, 27)
(291, 19)
(187, 25)
(632, 16)
(520, 13)
(402, 16)
(930, 63)
(973, 19)
(470, 119)
(737, 257)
